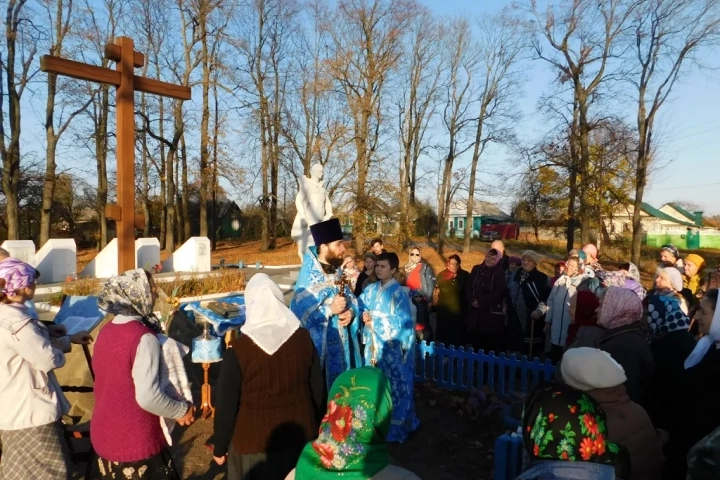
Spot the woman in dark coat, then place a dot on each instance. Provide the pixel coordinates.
(450, 304)
(484, 295)
(626, 339)
(525, 298)
(271, 390)
(700, 393)
(671, 343)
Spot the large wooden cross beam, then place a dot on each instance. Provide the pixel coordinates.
(123, 77)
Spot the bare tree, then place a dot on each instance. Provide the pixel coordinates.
(211, 20)
(460, 71)
(60, 19)
(419, 84)
(579, 39)
(501, 44)
(16, 67)
(100, 27)
(265, 31)
(668, 36)
(367, 43)
(315, 122)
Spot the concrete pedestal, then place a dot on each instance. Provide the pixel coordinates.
(192, 256)
(105, 265)
(147, 253)
(21, 249)
(56, 260)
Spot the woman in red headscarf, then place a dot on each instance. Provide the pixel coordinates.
(583, 313)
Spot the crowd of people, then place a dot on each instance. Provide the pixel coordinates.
(317, 389)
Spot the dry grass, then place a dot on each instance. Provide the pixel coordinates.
(81, 287)
(221, 281)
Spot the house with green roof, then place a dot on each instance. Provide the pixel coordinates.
(677, 212)
(668, 224)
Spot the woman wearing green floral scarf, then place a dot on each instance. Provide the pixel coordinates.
(351, 442)
(565, 432)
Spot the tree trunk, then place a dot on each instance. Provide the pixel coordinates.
(641, 170)
(184, 200)
(445, 198)
(360, 213)
(50, 166)
(145, 200)
(101, 151)
(204, 131)
(570, 232)
(583, 169)
(403, 228)
(214, 183)
(11, 151)
(170, 197)
(163, 178)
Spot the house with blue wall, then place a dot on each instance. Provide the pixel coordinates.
(483, 213)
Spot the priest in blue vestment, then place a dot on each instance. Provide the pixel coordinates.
(389, 338)
(327, 315)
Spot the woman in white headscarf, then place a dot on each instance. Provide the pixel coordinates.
(272, 390)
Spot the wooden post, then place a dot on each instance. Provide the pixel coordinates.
(127, 83)
(125, 114)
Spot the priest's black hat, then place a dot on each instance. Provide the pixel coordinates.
(326, 232)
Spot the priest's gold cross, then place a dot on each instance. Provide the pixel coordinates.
(123, 77)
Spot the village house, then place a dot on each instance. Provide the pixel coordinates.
(484, 214)
(668, 224)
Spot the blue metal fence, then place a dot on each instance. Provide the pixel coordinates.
(509, 377)
(459, 369)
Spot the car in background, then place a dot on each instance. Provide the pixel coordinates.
(490, 236)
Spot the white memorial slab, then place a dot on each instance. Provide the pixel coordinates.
(147, 253)
(56, 260)
(192, 256)
(21, 249)
(105, 265)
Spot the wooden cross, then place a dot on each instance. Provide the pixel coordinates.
(123, 77)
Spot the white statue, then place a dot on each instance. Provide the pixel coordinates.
(313, 206)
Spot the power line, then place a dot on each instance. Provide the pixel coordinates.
(688, 186)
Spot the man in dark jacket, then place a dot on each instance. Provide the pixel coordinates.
(484, 292)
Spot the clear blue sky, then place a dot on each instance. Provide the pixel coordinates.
(690, 125)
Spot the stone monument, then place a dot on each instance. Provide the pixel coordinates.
(23, 250)
(313, 206)
(56, 260)
(147, 253)
(105, 264)
(192, 256)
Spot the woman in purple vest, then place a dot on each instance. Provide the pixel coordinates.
(125, 427)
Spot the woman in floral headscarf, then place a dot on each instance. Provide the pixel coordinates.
(632, 279)
(351, 443)
(125, 428)
(621, 315)
(565, 434)
(32, 401)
